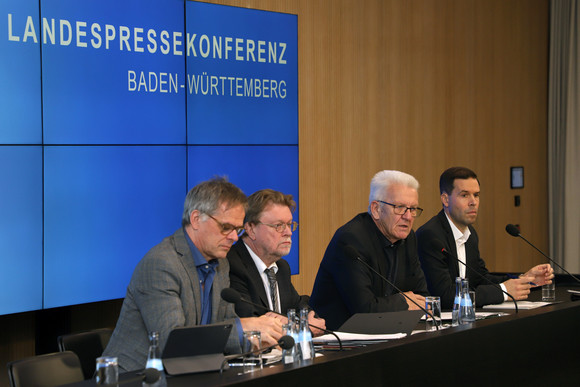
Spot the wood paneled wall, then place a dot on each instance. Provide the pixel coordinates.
(420, 86)
(414, 85)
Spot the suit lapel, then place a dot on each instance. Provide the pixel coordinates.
(450, 242)
(186, 257)
(253, 273)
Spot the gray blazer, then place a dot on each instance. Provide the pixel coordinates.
(163, 294)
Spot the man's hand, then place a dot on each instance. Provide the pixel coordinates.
(318, 322)
(269, 326)
(519, 288)
(419, 299)
(542, 274)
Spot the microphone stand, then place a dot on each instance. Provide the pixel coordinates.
(354, 254)
(513, 231)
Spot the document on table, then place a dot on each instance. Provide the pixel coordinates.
(523, 305)
(447, 316)
(350, 337)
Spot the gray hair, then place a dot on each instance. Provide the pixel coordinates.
(207, 196)
(384, 179)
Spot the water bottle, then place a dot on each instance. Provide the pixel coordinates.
(305, 337)
(292, 355)
(466, 313)
(456, 303)
(154, 356)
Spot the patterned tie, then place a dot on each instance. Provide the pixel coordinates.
(273, 293)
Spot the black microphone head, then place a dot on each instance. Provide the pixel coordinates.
(512, 230)
(231, 295)
(286, 342)
(151, 375)
(351, 252)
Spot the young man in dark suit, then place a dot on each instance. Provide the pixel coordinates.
(452, 229)
(257, 270)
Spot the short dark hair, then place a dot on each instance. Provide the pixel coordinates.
(259, 200)
(207, 196)
(447, 179)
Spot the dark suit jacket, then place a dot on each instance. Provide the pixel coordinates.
(441, 271)
(164, 294)
(345, 286)
(245, 278)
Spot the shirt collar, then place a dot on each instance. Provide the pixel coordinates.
(260, 265)
(198, 258)
(460, 237)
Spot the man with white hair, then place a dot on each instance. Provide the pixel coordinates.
(383, 238)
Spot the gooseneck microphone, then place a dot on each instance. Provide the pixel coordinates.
(285, 342)
(233, 296)
(352, 253)
(437, 245)
(515, 232)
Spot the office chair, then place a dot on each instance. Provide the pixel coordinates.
(53, 369)
(88, 346)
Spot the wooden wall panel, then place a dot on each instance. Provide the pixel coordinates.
(415, 85)
(420, 86)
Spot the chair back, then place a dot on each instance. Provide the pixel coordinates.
(88, 346)
(53, 369)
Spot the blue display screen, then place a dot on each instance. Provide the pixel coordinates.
(102, 133)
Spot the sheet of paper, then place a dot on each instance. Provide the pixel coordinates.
(344, 336)
(523, 305)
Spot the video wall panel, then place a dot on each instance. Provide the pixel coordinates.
(251, 168)
(20, 228)
(20, 99)
(97, 107)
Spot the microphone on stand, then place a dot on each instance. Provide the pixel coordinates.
(515, 232)
(438, 246)
(353, 254)
(233, 296)
(285, 342)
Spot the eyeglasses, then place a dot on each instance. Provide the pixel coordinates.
(227, 228)
(400, 210)
(280, 227)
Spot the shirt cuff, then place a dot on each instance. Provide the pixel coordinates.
(505, 296)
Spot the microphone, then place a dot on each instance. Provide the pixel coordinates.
(285, 342)
(233, 296)
(438, 246)
(515, 232)
(148, 375)
(352, 253)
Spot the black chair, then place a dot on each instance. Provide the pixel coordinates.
(88, 346)
(53, 369)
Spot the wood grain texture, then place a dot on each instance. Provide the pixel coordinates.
(420, 86)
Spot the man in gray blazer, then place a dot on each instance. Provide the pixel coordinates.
(179, 282)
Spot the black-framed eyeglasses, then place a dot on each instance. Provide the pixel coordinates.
(400, 210)
(226, 228)
(280, 227)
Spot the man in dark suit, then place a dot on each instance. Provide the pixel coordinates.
(178, 283)
(257, 269)
(382, 237)
(452, 229)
